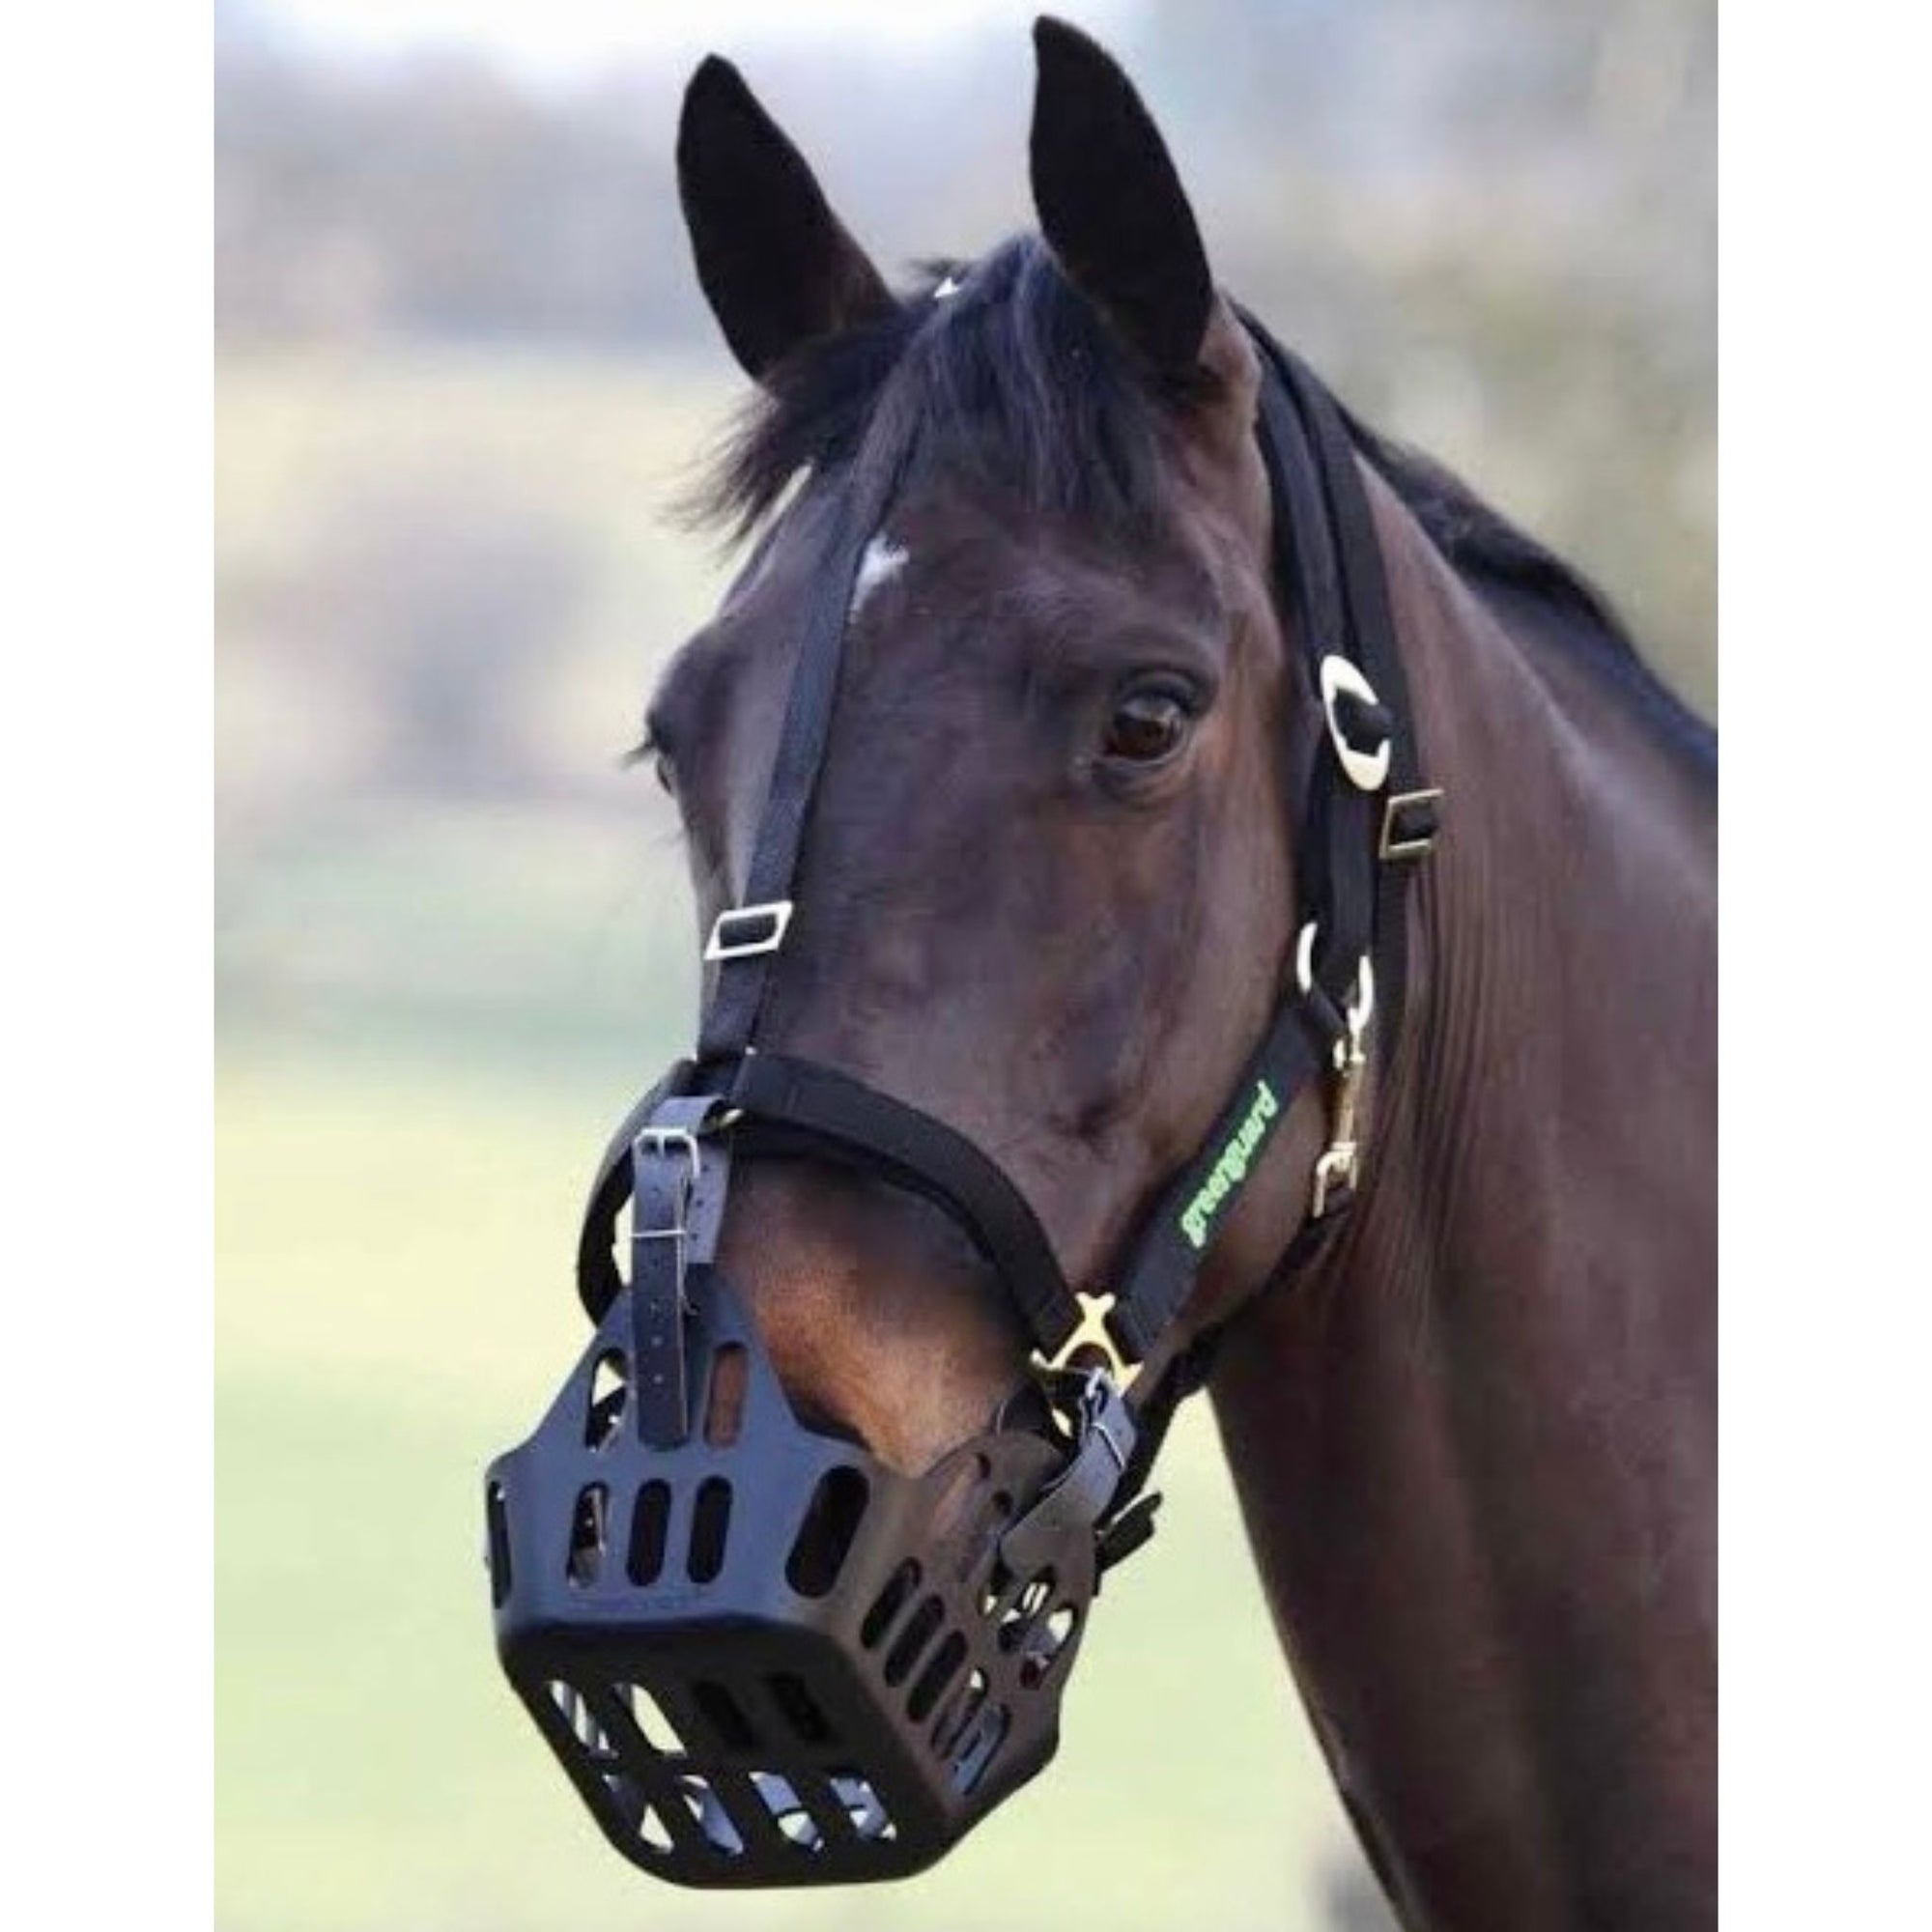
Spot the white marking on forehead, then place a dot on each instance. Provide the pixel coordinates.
(948, 287)
(882, 562)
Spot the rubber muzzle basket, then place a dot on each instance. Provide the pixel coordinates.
(763, 1657)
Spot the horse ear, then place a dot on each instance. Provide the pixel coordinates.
(775, 264)
(1110, 203)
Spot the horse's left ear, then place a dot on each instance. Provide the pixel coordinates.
(777, 265)
(1110, 205)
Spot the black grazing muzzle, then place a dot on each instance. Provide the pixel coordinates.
(763, 1656)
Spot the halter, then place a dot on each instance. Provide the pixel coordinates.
(1056, 1505)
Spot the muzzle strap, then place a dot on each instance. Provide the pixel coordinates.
(598, 1281)
(661, 1189)
(679, 1173)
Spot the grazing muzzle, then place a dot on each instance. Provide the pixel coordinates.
(764, 1655)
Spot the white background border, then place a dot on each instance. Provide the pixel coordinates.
(106, 1036)
(106, 1523)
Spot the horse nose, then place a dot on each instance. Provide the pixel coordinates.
(883, 1322)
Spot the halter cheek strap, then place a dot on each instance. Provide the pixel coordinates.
(1365, 819)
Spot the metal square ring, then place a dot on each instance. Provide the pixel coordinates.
(743, 932)
(1393, 846)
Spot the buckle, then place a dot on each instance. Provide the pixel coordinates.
(671, 1140)
(743, 931)
(1094, 1333)
(1368, 770)
(1395, 843)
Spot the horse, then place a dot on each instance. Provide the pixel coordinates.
(1047, 893)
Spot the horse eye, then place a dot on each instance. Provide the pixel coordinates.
(1147, 729)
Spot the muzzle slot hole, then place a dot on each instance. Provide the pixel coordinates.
(650, 1518)
(999, 1580)
(935, 1677)
(889, 1603)
(957, 1716)
(824, 1539)
(496, 1510)
(710, 1524)
(789, 1811)
(647, 1716)
(1018, 1617)
(724, 1400)
(588, 1522)
(951, 1508)
(575, 1709)
(1047, 1640)
(609, 1391)
(976, 1753)
(913, 1639)
(864, 1810)
(799, 1708)
(726, 1717)
(709, 1814)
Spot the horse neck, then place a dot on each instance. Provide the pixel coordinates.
(1476, 1446)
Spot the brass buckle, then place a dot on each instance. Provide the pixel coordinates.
(1391, 845)
(1094, 1333)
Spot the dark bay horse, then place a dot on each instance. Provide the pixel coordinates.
(1048, 895)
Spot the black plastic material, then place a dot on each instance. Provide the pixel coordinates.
(763, 1657)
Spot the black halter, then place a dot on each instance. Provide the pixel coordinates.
(764, 1655)
(1366, 816)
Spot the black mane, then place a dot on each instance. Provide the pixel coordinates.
(1015, 375)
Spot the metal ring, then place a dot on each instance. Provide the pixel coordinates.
(1362, 1002)
(1304, 957)
(1367, 771)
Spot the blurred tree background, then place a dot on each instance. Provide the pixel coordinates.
(461, 368)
